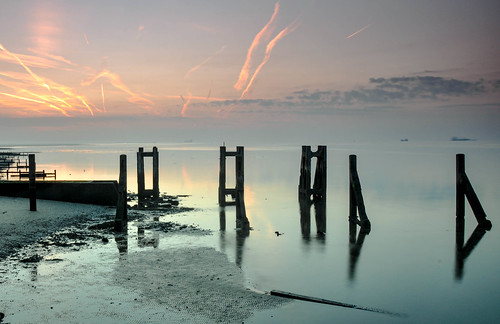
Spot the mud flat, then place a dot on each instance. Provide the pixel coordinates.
(64, 264)
(20, 227)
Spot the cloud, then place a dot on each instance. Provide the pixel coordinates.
(378, 92)
(428, 86)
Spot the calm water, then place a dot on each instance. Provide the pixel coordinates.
(406, 264)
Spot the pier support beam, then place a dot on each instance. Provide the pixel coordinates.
(32, 180)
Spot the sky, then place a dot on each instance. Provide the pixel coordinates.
(86, 71)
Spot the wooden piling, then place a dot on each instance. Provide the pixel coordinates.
(318, 190)
(121, 205)
(356, 202)
(156, 174)
(464, 190)
(222, 177)
(140, 173)
(32, 182)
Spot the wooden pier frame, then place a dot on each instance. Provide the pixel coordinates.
(144, 193)
(32, 179)
(237, 193)
(356, 202)
(240, 176)
(121, 205)
(318, 190)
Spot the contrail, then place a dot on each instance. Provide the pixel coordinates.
(118, 83)
(49, 99)
(357, 32)
(246, 66)
(86, 39)
(204, 62)
(269, 48)
(36, 77)
(186, 104)
(102, 93)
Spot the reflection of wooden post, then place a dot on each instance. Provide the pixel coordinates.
(222, 218)
(32, 182)
(356, 203)
(121, 205)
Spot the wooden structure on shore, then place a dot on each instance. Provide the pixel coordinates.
(318, 190)
(142, 192)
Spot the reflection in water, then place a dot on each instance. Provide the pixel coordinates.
(241, 234)
(355, 245)
(143, 241)
(463, 251)
(121, 240)
(34, 272)
(305, 217)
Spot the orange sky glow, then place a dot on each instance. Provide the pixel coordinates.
(271, 62)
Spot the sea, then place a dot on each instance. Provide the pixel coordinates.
(408, 263)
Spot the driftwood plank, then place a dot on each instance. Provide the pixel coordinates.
(331, 302)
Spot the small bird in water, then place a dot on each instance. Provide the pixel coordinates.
(278, 233)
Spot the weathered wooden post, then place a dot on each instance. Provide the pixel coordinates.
(156, 174)
(222, 177)
(318, 189)
(121, 205)
(465, 190)
(32, 182)
(356, 203)
(140, 174)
